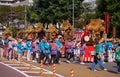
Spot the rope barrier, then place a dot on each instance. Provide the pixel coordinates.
(30, 67)
(54, 70)
(41, 68)
(72, 73)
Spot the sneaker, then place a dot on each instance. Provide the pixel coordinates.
(59, 62)
(68, 61)
(94, 70)
(82, 63)
(33, 61)
(74, 61)
(105, 69)
(103, 62)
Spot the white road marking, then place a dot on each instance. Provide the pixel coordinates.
(15, 69)
(37, 72)
(45, 70)
(35, 67)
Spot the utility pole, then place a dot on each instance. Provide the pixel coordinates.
(73, 13)
(25, 18)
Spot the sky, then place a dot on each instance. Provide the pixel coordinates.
(89, 0)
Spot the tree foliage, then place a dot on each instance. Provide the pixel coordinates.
(53, 11)
(111, 6)
(14, 31)
(6, 10)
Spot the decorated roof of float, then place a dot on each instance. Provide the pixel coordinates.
(51, 29)
(39, 27)
(29, 29)
(7, 31)
(66, 25)
(96, 25)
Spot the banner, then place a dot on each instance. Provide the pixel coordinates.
(107, 20)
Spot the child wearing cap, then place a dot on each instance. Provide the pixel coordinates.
(10, 48)
(19, 48)
(28, 48)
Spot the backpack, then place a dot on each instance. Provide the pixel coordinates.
(1, 43)
(82, 49)
(6, 41)
(69, 47)
(118, 56)
(53, 48)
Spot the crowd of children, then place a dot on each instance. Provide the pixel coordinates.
(51, 51)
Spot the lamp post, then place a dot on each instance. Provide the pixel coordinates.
(73, 12)
(25, 18)
(16, 23)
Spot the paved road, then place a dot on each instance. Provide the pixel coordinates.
(84, 70)
(111, 66)
(64, 70)
(5, 71)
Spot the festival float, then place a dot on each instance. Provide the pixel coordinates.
(7, 33)
(32, 32)
(67, 29)
(21, 33)
(51, 32)
(29, 32)
(39, 30)
(67, 32)
(96, 32)
(96, 29)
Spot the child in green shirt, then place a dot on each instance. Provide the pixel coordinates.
(117, 58)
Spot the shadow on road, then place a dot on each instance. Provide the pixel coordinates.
(112, 71)
(115, 67)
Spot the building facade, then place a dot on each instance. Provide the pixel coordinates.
(16, 2)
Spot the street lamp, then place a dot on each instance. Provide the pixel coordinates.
(16, 21)
(73, 13)
(25, 19)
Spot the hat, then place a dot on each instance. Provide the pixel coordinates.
(10, 38)
(109, 39)
(19, 40)
(101, 40)
(59, 36)
(29, 38)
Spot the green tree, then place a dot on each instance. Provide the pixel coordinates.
(14, 31)
(53, 11)
(112, 7)
(89, 12)
(6, 10)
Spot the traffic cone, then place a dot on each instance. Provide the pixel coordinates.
(21, 61)
(54, 70)
(13, 61)
(30, 67)
(0, 56)
(41, 68)
(72, 73)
